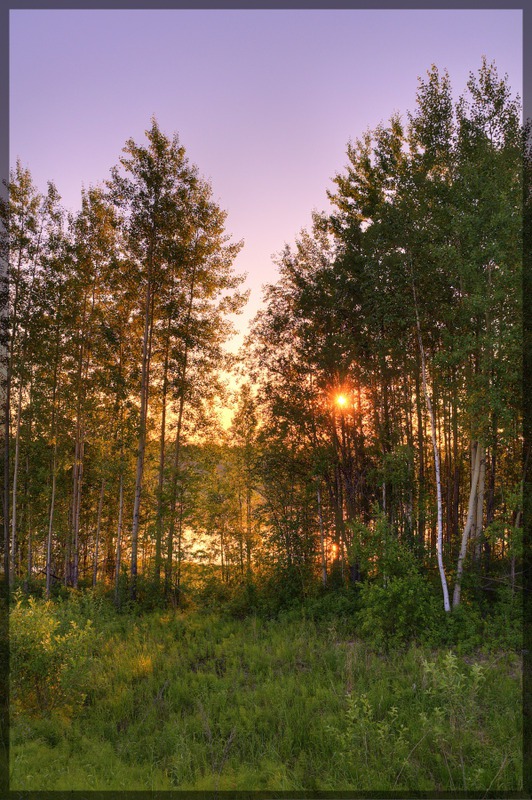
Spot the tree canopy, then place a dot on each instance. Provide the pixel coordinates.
(377, 422)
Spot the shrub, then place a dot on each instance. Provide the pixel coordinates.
(212, 594)
(244, 600)
(397, 611)
(504, 623)
(329, 605)
(49, 657)
(283, 590)
(461, 628)
(377, 549)
(429, 740)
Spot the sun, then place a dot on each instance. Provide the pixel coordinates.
(341, 400)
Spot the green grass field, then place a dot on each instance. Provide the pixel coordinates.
(169, 700)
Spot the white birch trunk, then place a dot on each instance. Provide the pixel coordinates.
(471, 509)
(439, 540)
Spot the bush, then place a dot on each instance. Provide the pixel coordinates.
(283, 590)
(329, 605)
(244, 600)
(49, 656)
(212, 595)
(504, 622)
(430, 735)
(396, 612)
(461, 628)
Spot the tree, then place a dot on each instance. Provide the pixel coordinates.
(21, 218)
(179, 257)
(404, 299)
(150, 195)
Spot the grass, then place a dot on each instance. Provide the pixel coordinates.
(205, 702)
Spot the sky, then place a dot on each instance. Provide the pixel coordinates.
(264, 101)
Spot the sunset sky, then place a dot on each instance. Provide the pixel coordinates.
(263, 101)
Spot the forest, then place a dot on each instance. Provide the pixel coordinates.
(321, 522)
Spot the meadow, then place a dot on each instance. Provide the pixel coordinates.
(204, 700)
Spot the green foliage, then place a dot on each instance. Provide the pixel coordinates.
(245, 599)
(378, 550)
(213, 593)
(339, 606)
(283, 590)
(504, 622)
(398, 611)
(462, 628)
(50, 656)
(205, 702)
(494, 626)
(426, 743)
(398, 467)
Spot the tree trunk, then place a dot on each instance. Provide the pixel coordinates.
(15, 483)
(173, 503)
(75, 542)
(7, 359)
(177, 451)
(490, 502)
(421, 471)
(4, 379)
(478, 529)
(248, 530)
(97, 542)
(160, 485)
(439, 541)
(222, 553)
(241, 531)
(119, 538)
(7, 344)
(469, 521)
(322, 538)
(50, 525)
(512, 557)
(142, 433)
(72, 568)
(179, 552)
(30, 557)
(53, 430)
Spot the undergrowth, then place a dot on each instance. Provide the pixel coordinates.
(167, 700)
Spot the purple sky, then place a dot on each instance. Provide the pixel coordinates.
(263, 101)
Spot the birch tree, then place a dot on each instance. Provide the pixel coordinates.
(150, 194)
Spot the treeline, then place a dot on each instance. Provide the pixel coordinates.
(388, 357)
(118, 318)
(378, 436)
